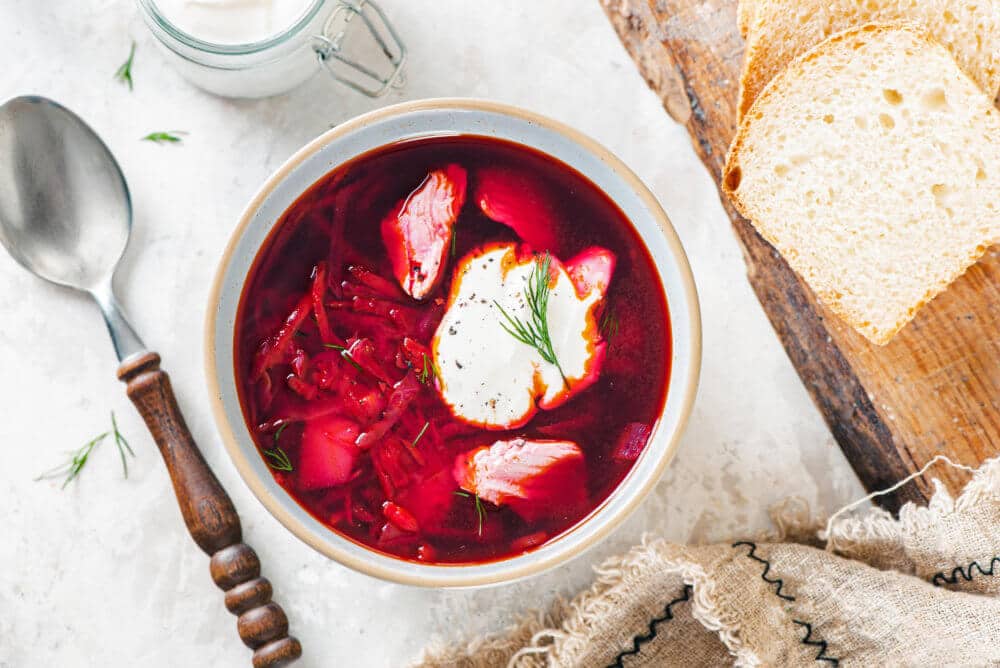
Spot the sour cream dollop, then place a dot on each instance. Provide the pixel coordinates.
(488, 377)
(233, 21)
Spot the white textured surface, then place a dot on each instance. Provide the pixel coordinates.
(103, 573)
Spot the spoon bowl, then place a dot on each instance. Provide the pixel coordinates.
(65, 211)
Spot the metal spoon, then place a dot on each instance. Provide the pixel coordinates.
(65, 216)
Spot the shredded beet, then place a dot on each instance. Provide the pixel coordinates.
(365, 282)
(273, 350)
(362, 353)
(318, 292)
(400, 516)
(632, 442)
(303, 389)
(403, 392)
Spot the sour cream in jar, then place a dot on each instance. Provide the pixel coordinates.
(233, 21)
(258, 48)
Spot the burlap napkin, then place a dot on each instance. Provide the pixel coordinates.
(917, 591)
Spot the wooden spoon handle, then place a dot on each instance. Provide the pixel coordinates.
(210, 516)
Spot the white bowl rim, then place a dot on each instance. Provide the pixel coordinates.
(682, 305)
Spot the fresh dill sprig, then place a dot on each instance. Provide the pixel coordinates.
(170, 137)
(480, 508)
(423, 430)
(609, 324)
(121, 443)
(350, 360)
(79, 458)
(535, 332)
(345, 354)
(277, 434)
(428, 372)
(279, 458)
(124, 73)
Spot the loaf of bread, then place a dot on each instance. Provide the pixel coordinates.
(872, 163)
(779, 30)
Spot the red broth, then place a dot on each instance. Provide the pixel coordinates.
(398, 495)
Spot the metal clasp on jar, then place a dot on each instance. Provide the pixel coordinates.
(331, 49)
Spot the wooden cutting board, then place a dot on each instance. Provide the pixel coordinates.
(935, 388)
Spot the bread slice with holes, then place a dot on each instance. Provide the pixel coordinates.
(779, 30)
(872, 163)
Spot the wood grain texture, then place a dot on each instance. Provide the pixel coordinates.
(933, 390)
(210, 516)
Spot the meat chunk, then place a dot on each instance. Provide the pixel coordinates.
(535, 479)
(417, 233)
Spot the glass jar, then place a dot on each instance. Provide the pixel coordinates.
(330, 35)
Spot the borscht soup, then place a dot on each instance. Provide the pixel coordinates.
(452, 349)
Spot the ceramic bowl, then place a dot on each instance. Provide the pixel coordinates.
(449, 117)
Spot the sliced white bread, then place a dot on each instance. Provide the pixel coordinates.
(872, 163)
(780, 30)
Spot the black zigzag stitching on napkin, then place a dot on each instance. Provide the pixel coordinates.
(821, 644)
(821, 655)
(643, 638)
(767, 568)
(965, 573)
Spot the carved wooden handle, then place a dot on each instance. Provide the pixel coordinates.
(210, 516)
